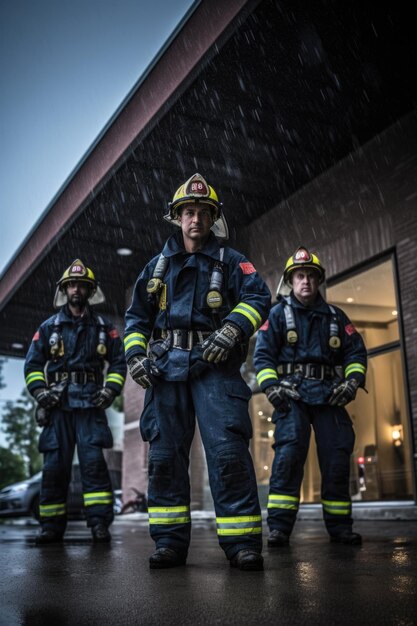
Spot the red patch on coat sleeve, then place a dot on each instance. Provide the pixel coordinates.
(36, 336)
(113, 333)
(265, 325)
(247, 268)
(350, 329)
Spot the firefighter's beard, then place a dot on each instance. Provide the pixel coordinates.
(78, 301)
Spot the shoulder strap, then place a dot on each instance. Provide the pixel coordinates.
(292, 335)
(334, 339)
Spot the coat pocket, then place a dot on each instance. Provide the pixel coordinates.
(236, 410)
(48, 439)
(148, 426)
(101, 436)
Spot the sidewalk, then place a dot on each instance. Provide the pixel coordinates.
(313, 581)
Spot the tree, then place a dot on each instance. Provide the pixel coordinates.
(12, 468)
(21, 431)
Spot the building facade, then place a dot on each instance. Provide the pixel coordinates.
(360, 218)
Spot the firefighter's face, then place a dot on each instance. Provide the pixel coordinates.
(305, 284)
(196, 221)
(78, 293)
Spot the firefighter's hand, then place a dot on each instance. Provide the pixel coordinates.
(278, 395)
(103, 398)
(143, 371)
(218, 345)
(344, 392)
(47, 398)
(41, 416)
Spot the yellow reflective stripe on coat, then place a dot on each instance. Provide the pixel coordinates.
(265, 374)
(355, 367)
(98, 497)
(30, 378)
(52, 510)
(114, 377)
(277, 501)
(250, 313)
(169, 514)
(336, 508)
(135, 339)
(242, 525)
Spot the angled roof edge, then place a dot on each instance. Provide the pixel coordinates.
(163, 76)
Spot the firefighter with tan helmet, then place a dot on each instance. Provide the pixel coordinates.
(193, 310)
(75, 368)
(310, 361)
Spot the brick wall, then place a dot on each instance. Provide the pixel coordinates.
(363, 207)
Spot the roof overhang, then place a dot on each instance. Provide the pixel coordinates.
(259, 96)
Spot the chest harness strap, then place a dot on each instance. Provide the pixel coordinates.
(155, 286)
(56, 342)
(292, 335)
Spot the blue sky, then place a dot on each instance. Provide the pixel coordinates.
(65, 67)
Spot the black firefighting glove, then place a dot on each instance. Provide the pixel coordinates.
(143, 371)
(47, 398)
(344, 392)
(42, 416)
(103, 398)
(219, 344)
(278, 395)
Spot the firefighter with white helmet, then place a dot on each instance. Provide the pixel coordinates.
(64, 371)
(193, 310)
(310, 360)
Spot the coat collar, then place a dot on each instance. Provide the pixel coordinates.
(175, 245)
(320, 304)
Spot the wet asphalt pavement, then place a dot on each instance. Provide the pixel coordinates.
(310, 582)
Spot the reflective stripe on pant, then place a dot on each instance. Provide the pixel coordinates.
(88, 429)
(335, 440)
(168, 423)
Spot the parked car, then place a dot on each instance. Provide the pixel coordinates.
(22, 499)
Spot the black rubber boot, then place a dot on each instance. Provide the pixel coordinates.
(278, 539)
(46, 536)
(101, 534)
(248, 560)
(347, 537)
(166, 557)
